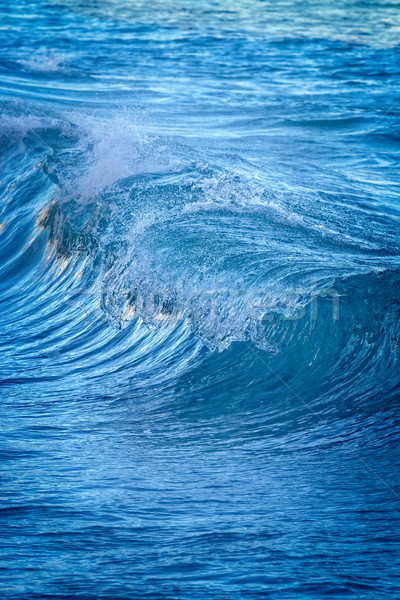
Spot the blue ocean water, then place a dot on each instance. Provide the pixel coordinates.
(199, 299)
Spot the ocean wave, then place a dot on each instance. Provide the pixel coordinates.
(199, 307)
(129, 267)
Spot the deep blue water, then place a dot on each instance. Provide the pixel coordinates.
(199, 299)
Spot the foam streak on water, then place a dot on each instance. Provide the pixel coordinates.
(199, 299)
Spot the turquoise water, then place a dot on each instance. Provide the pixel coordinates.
(199, 299)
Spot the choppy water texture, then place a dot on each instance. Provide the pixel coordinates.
(199, 292)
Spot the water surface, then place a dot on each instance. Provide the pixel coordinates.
(199, 299)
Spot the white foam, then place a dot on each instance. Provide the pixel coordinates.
(110, 149)
(44, 62)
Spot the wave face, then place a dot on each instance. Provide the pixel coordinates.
(199, 292)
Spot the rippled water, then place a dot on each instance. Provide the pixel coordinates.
(200, 335)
